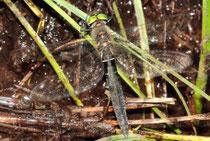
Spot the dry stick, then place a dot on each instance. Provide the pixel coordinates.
(14, 110)
(29, 74)
(111, 109)
(166, 120)
(78, 73)
(152, 100)
(33, 120)
(131, 103)
(19, 127)
(16, 119)
(43, 121)
(6, 121)
(184, 43)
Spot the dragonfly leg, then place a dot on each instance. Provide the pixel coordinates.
(105, 110)
(85, 30)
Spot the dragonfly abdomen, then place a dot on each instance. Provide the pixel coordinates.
(116, 91)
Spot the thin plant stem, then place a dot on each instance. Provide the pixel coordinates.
(202, 77)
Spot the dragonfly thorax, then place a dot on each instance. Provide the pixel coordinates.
(101, 36)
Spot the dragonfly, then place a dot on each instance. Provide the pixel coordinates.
(87, 65)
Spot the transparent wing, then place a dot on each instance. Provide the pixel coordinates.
(176, 60)
(84, 70)
(82, 66)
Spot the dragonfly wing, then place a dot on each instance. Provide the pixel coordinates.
(83, 70)
(122, 58)
(48, 91)
(178, 61)
(127, 62)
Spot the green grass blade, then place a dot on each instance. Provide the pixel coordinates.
(202, 77)
(144, 44)
(72, 9)
(141, 25)
(119, 20)
(44, 49)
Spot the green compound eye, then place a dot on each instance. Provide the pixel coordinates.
(102, 17)
(92, 19)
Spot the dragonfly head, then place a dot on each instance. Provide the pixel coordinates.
(96, 19)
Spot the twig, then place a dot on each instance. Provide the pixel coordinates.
(152, 100)
(166, 120)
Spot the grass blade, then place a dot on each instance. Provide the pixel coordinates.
(202, 77)
(144, 44)
(72, 9)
